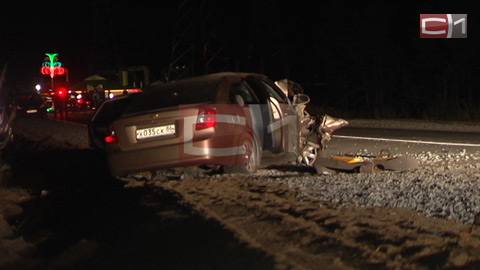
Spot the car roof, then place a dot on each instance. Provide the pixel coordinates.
(222, 80)
(213, 88)
(214, 77)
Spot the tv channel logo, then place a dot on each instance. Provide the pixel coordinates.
(443, 25)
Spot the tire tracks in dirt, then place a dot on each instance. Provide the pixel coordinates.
(303, 233)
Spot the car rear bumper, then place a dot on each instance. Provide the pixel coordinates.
(126, 162)
(33, 112)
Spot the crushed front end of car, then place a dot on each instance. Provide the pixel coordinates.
(316, 131)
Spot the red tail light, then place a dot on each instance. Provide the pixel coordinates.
(62, 92)
(207, 117)
(111, 138)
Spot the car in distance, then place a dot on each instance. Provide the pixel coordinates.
(238, 121)
(30, 104)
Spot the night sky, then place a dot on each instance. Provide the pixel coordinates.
(351, 57)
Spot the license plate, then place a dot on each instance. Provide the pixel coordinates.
(152, 132)
(31, 111)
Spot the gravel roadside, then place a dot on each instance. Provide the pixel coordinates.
(303, 232)
(436, 204)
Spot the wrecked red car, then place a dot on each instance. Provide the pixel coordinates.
(234, 121)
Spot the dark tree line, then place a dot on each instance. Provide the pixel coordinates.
(364, 59)
(354, 58)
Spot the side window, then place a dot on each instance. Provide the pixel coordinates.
(265, 91)
(274, 92)
(240, 93)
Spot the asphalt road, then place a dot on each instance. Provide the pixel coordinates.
(373, 140)
(76, 117)
(456, 137)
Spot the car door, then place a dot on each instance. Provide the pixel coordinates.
(288, 122)
(274, 108)
(242, 94)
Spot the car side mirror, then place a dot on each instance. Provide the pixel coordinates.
(300, 99)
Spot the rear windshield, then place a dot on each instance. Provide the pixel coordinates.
(174, 94)
(113, 109)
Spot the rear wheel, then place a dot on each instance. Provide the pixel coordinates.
(252, 158)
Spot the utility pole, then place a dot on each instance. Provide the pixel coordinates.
(195, 50)
(104, 57)
(265, 23)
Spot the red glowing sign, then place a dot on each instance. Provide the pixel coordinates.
(52, 72)
(51, 66)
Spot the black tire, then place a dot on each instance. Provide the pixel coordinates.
(254, 152)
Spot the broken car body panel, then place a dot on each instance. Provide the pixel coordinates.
(324, 165)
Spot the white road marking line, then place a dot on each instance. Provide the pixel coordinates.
(407, 141)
